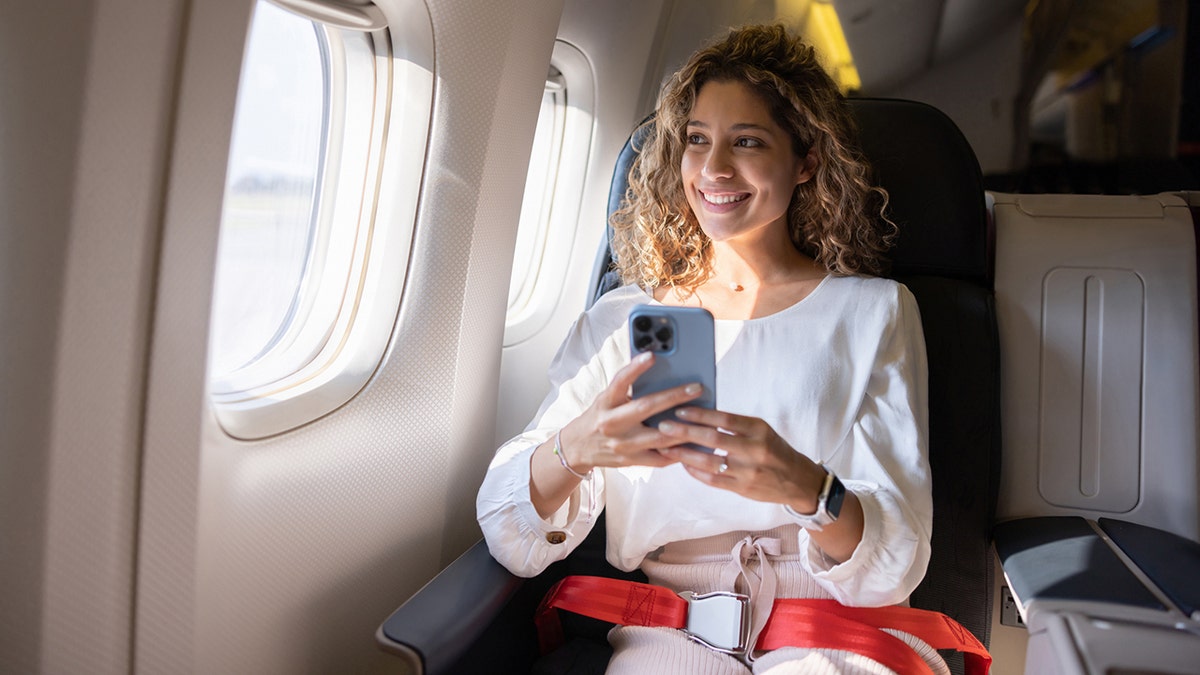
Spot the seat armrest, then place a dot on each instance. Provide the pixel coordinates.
(1094, 595)
(1059, 561)
(1171, 562)
(433, 628)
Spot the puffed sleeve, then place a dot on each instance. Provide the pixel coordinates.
(884, 461)
(516, 536)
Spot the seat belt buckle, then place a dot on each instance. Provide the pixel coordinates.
(719, 621)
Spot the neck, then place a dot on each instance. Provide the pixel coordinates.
(753, 267)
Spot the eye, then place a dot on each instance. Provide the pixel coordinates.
(695, 139)
(748, 142)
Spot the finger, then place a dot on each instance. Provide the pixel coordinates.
(637, 445)
(718, 480)
(617, 391)
(729, 430)
(709, 437)
(738, 424)
(704, 462)
(643, 407)
(655, 458)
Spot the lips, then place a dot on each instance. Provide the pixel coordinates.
(725, 198)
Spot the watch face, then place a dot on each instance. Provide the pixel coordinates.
(837, 493)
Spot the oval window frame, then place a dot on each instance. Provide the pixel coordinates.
(562, 202)
(369, 204)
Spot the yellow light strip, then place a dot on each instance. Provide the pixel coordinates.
(824, 30)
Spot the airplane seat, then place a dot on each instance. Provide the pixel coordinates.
(945, 256)
(476, 615)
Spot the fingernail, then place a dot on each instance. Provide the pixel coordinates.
(645, 356)
(683, 412)
(667, 427)
(693, 389)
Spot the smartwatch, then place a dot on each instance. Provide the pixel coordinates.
(829, 504)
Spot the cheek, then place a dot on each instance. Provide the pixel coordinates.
(688, 175)
(688, 168)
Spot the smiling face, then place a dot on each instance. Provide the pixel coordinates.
(739, 167)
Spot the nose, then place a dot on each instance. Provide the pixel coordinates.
(716, 163)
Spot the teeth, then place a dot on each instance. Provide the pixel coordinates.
(723, 199)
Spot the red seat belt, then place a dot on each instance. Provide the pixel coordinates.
(793, 623)
(613, 600)
(937, 629)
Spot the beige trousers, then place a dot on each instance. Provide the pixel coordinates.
(735, 562)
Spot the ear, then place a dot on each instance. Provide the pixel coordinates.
(807, 167)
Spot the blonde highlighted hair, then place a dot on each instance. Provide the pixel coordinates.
(837, 217)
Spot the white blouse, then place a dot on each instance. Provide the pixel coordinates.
(840, 375)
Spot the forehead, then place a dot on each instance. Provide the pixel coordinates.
(731, 102)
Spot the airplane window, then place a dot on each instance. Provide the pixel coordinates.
(539, 192)
(269, 216)
(302, 306)
(553, 192)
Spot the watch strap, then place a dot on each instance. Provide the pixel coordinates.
(829, 504)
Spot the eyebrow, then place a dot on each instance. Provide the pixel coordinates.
(741, 126)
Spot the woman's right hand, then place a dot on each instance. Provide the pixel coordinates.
(611, 431)
(608, 433)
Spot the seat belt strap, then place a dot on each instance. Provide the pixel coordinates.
(935, 628)
(816, 629)
(627, 603)
(793, 622)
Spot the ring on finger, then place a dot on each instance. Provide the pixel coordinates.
(723, 468)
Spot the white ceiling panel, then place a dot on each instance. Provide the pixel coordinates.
(891, 40)
(895, 40)
(967, 22)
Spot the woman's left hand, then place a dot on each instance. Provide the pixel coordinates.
(751, 458)
(755, 462)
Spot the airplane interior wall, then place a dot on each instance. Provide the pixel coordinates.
(621, 75)
(84, 122)
(136, 535)
(142, 537)
(281, 554)
(35, 186)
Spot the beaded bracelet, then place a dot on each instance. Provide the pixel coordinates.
(563, 458)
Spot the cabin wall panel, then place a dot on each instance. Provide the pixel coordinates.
(170, 557)
(283, 555)
(40, 117)
(100, 379)
(82, 153)
(620, 75)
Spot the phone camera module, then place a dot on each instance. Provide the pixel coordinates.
(652, 333)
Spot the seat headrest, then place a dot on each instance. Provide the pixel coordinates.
(934, 185)
(933, 181)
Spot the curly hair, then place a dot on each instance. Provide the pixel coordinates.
(837, 217)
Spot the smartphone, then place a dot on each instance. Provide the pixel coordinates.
(684, 352)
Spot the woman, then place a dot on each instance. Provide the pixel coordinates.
(749, 201)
